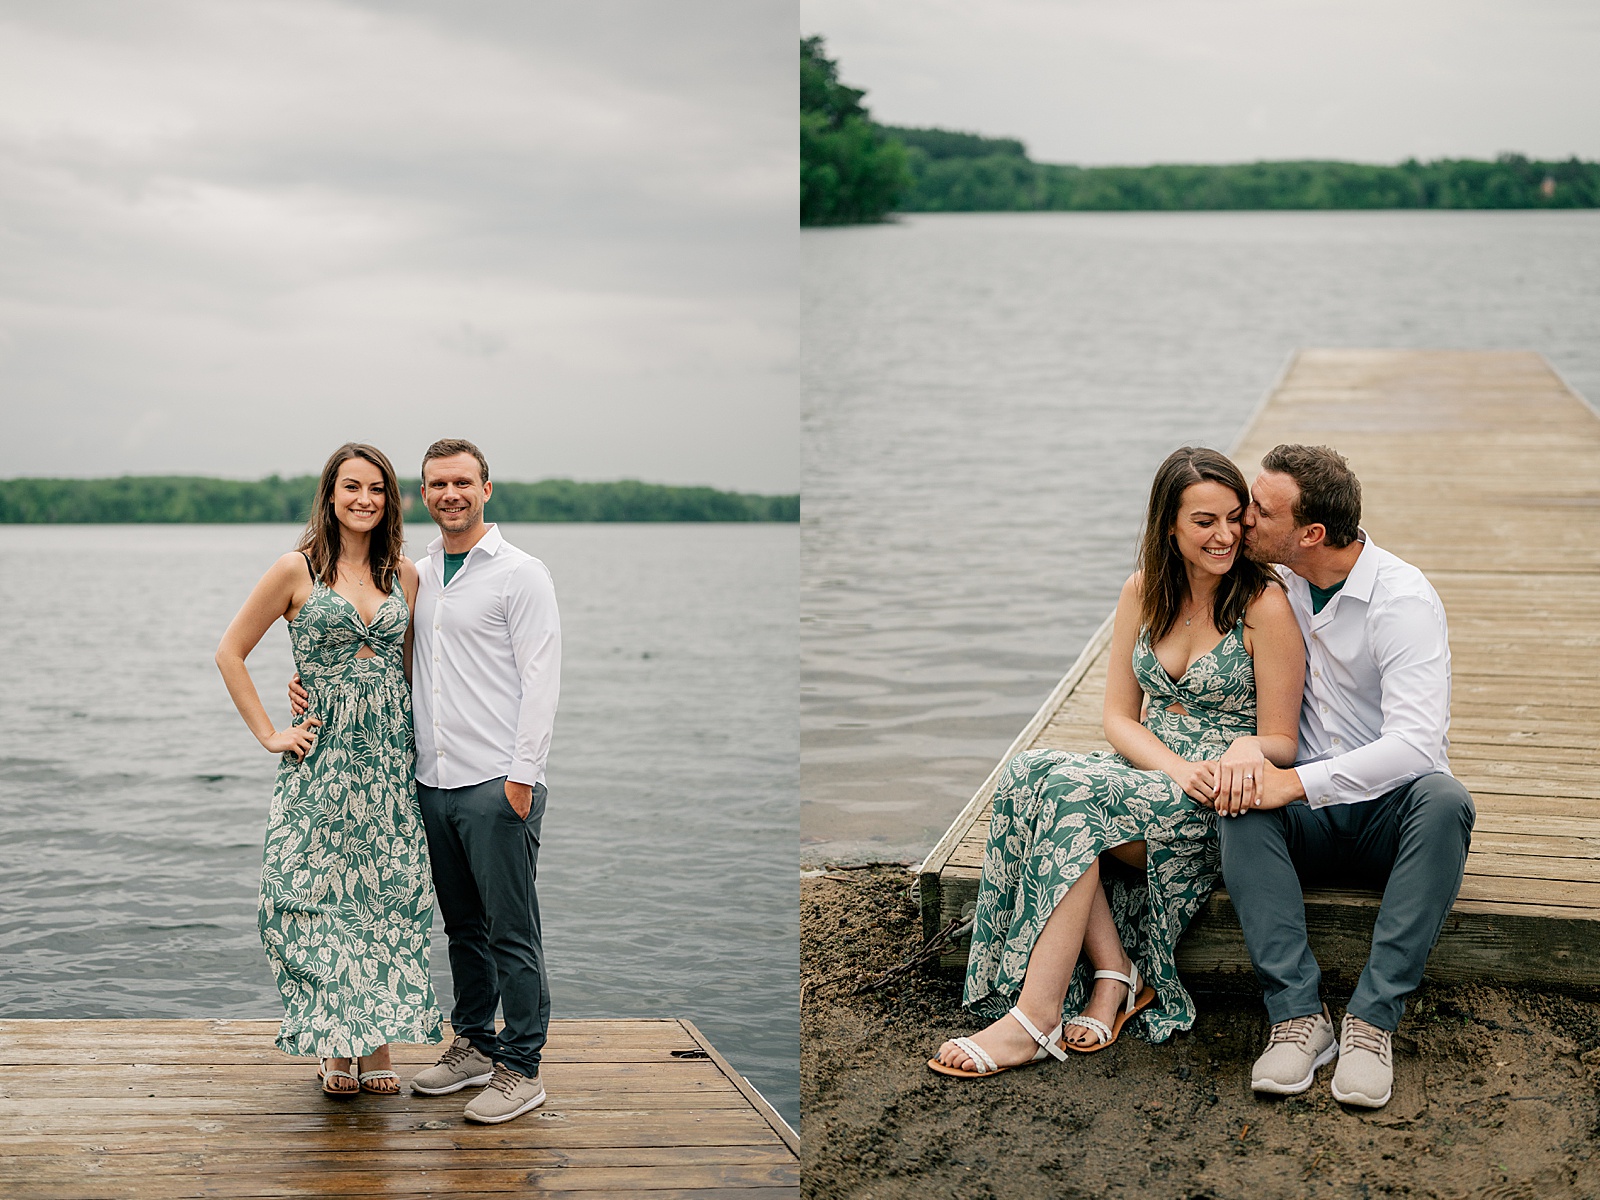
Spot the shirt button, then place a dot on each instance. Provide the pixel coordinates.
(436, 627)
(1316, 674)
(1323, 707)
(1335, 740)
(440, 753)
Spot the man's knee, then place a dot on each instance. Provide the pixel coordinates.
(1443, 804)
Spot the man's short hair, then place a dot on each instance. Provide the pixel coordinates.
(1330, 493)
(449, 448)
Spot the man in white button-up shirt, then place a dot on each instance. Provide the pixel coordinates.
(486, 669)
(1370, 800)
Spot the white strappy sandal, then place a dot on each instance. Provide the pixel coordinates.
(1050, 1046)
(327, 1077)
(1140, 997)
(367, 1078)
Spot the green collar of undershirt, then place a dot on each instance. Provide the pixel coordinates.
(1321, 596)
(452, 564)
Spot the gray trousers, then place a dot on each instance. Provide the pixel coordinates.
(485, 861)
(1411, 844)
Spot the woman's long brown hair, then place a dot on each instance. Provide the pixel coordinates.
(320, 541)
(1166, 583)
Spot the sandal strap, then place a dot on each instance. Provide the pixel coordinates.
(1099, 1028)
(1047, 1041)
(975, 1052)
(366, 1075)
(1133, 981)
(326, 1076)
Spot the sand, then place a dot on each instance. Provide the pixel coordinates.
(1497, 1091)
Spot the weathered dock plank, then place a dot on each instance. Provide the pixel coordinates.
(99, 1110)
(1483, 469)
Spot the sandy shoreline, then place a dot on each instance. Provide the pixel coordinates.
(1497, 1092)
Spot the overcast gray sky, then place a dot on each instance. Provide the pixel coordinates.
(1142, 81)
(233, 235)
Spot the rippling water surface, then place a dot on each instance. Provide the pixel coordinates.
(985, 397)
(133, 800)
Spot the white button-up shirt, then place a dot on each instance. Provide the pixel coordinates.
(1377, 702)
(485, 667)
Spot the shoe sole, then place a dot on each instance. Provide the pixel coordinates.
(1359, 1099)
(470, 1081)
(531, 1104)
(1294, 1089)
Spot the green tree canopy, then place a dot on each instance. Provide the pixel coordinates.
(947, 143)
(849, 171)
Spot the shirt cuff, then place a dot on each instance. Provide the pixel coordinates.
(1317, 780)
(524, 772)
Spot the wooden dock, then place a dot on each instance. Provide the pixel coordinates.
(96, 1110)
(1482, 469)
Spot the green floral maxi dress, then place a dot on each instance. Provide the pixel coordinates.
(346, 894)
(1055, 812)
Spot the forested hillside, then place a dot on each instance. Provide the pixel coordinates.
(852, 170)
(152, 499)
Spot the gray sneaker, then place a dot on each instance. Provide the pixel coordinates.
(509, 1094)
(1296, 1048)
(1366, 1064)
(460, 1066)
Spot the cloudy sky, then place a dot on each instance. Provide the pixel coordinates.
(1141, 81)
(234, 234)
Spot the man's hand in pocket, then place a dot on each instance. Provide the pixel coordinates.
(520, 797)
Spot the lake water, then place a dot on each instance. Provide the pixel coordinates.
(984, 400)
(133, 800)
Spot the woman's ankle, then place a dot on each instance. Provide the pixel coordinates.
(1044, 1019)
(1122, 966)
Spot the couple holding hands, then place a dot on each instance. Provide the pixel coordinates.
(374, 813)
(1278, 698)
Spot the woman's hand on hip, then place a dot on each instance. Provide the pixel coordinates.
(299, 698)
(298, 740)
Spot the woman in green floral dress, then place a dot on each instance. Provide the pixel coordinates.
(1206, 648)
(346, 895)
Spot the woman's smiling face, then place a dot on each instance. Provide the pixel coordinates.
(1210, 527)
(358, 495)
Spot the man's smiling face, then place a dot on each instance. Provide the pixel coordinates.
(454, 491)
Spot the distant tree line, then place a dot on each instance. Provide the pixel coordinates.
(853, 171)
(167, 499)
(1007, 181)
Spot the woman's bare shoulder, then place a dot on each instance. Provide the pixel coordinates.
(1270, 607)
(291, 566)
